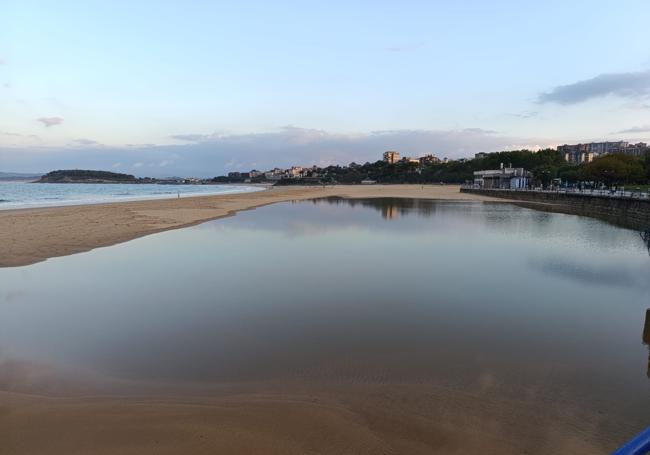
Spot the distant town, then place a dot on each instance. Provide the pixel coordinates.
(591, 164)
(566, 164)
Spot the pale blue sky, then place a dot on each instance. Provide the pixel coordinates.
(212, 86)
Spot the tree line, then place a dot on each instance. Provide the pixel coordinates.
(546, 165)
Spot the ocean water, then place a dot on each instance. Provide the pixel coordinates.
(535, 322)
(24, 195)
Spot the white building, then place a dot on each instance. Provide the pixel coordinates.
(294, 171)
(507, 178)
(274, 174)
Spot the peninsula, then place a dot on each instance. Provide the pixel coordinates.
(96, 176)
(88, 176)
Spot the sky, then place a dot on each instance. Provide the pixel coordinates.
(199, 88)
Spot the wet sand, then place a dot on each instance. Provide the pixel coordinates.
(297, 418)
(28, 236)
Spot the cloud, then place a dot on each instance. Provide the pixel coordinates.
(191, 137)
(50, 121)
(635, 129)
(4, 133)
(18, 140)
(479, 131)
(85, 142)
(2, 61)
(15, 295)
(592, 274)
(524, 114)
(143, 145)
(201, 154)
(625, 85)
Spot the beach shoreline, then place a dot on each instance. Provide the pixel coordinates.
(32, 235)
(50, 195)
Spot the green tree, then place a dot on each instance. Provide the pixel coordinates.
(614, 169)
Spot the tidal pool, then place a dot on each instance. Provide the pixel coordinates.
(501, 302)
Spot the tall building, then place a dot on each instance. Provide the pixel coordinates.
(603, 148)
(391, 157)
(584, 153)
(429, 159)
(577, 154)
(637, 149)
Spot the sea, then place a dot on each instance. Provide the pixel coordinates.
(14, 195)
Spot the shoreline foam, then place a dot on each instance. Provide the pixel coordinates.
(89, 199)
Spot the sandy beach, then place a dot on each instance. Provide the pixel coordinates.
(28, 236)
(353, 420)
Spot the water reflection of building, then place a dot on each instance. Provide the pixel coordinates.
(390, 211)
(390, 208)
(646, 336)
(645, 235)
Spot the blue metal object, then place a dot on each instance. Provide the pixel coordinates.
(640, 445)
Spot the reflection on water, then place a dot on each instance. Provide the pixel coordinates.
(492, 299)
(646, 336)
(390, 208)
(596, 274)
(645, 235)
(390, 211)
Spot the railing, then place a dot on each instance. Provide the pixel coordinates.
(640, 445)
(621, 194)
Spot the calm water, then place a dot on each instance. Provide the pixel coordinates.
(525, 304)
(22, 194)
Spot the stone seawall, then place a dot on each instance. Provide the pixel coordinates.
(633, 213)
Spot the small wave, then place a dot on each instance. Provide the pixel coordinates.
(24, 195)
